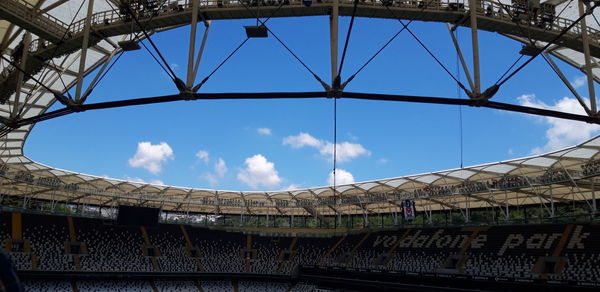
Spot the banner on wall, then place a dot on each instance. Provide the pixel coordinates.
(408, 206)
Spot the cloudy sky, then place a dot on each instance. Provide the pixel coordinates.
(287, 144)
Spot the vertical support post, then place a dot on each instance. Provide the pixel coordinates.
(551, 203)
(192, 48)
(594, 209)
(23, 63)
(333, 38)
(84, 48)
(586, 54)
(473, 4)
(467, 217)
(506, 203)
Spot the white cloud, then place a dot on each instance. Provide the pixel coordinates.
(264, 131)
(259, 172)
(342, 177)
(151, 157)
(510, 152)
(579, 81)
(562, 133)
(220, 170)
(203, 155)
(345, 151)
(301, 140)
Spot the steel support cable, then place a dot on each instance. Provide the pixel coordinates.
(531, 41)
(384, 46)
(58, 44)
(284, 45)
(43, 76)
(156, 59)
(372, 57)
(172, 74)
(510, 68)
(337, 80)
(195, 88)
(298, 59)
(596, 19)
(560, 35)
(430, 53)
(336, 86)
(199, 85)
(93, 86)
(60, 98)
(563, 10)
(136, 35)
(334, 146)
(459, 95)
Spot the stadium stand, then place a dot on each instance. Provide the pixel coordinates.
(219, 250)
(303, 287)
(171, 245)
(47, 286)
(176, 286)
(267, 253)
(512, 254)
(216, 286)
(582, 259)
(114, 286)
(553, 252)
(4, 227)
(111, 247)
(248, 286)
(48, 235)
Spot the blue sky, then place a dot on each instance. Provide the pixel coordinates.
(281, 144)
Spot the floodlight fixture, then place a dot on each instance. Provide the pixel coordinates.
(256, 31)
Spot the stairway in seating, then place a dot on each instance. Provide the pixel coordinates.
(289, 250)
(395, 246)
(73, 238)
(189, 245)
(248, 261)
(147, 242)
(74, 286)
(331, 250)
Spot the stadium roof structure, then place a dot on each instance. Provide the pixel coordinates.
(48, 47)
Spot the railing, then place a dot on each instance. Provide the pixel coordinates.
(492, 9)
(25, 9)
